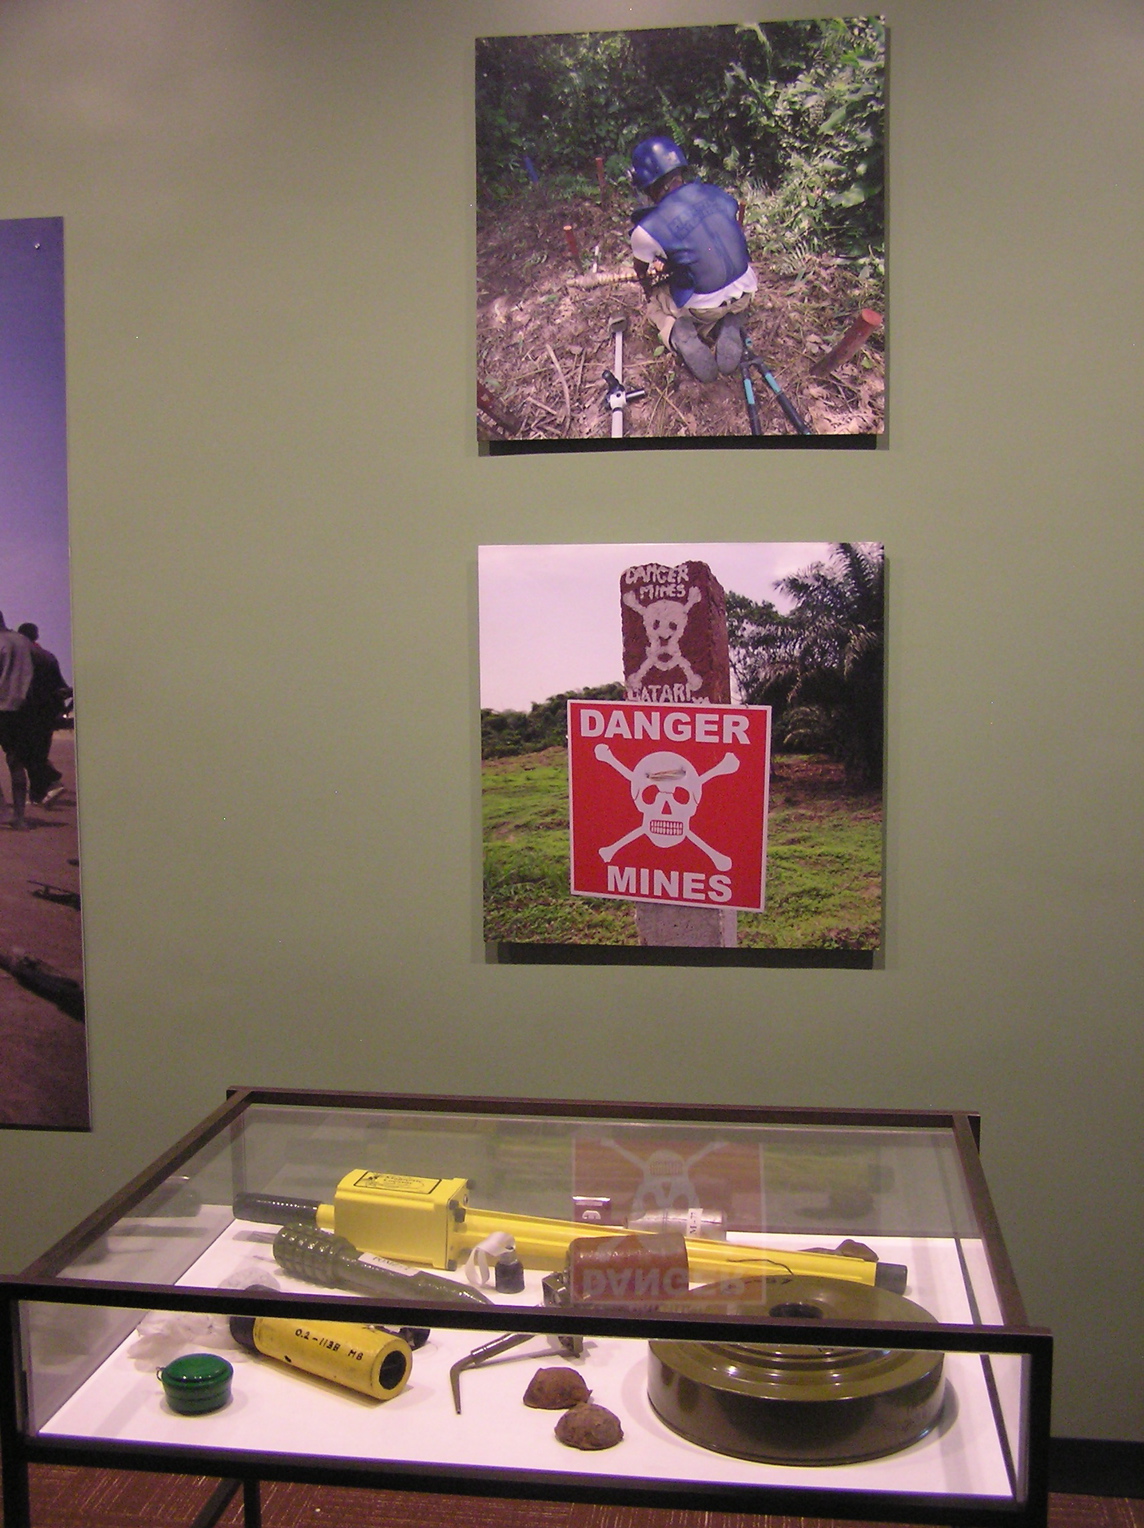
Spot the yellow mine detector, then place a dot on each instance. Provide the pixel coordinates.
(429, 1222)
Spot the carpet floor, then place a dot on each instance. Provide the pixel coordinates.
(65, 1496)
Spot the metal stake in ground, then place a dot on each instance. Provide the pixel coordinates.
(850, 343)
(676, 652)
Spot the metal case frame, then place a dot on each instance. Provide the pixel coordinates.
(42, 1281)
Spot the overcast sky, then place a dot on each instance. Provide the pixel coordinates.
(550, 615)
(33, 432)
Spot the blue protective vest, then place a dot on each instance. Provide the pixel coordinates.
(697, 227)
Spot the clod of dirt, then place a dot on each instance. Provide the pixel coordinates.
(851, 1248)
(589, 1426)
(556, 1389)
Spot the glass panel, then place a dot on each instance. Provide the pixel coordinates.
(701, 1414)
(426, 1188)
(63, 1346)
(758, 1178)
(1007, 1377)
(158, 1240)
(756, 1222)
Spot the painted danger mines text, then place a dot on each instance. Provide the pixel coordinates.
(668, 804)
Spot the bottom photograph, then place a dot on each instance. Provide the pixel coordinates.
(682, 746)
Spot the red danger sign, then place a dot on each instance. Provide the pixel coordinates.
(669, 803)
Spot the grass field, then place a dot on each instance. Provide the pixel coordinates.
(824, 861)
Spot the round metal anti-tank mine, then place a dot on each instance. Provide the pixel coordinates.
(786, 1403)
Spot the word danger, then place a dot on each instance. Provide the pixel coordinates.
(654, 581)
(629, 1283)
(668, 804)
(702, 724)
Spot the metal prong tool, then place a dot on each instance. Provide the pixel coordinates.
(555, 1293)
(481, 1355)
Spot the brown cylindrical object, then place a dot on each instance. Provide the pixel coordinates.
(600, 176)
(742, 212)
(628, 1270)
(570, 240)
(850, 343)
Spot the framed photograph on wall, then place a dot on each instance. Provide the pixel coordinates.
(682, 752)
(681, 237)
(43, 1048)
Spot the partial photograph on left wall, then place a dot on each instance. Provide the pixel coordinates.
(43, 1044)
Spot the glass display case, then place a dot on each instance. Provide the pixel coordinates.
(806, 1312)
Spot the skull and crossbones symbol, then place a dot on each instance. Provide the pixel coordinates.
(666, 790)
(666, 1181)
(664, 622)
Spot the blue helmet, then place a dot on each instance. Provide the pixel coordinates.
(653, 158)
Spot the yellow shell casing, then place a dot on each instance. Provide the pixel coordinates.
(376, 1363)
(412, 1220)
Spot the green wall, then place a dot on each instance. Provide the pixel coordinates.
(276, 503)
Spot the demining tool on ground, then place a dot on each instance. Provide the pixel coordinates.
(618, 396)
(750, 359)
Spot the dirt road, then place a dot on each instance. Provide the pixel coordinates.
(43, 1051)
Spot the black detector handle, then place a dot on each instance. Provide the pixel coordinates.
(320, 1257)
(891, 1276)
(276, 1209)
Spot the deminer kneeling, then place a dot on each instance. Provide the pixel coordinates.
(693, 228)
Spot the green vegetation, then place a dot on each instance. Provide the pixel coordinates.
(821, 666)
(544, 725)
(824, 861)
(526, 874)
(787, 115)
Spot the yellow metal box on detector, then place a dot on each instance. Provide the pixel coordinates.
(412, 1220)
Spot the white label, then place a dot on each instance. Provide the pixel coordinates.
(371, 1260)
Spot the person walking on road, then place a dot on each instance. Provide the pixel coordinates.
(40, 715)
(16, 668)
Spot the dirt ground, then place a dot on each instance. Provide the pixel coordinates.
(543, 342)
(43, 1051)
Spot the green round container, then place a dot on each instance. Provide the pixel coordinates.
(197, 1383)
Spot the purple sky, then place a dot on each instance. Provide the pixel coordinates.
(550, 615)
(33, 432)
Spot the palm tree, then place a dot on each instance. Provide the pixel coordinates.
(821, 666)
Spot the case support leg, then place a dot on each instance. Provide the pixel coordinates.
(251, 1504)
(221, 1498)
(216, 1504)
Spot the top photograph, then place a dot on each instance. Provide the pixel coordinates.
(681, 238)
